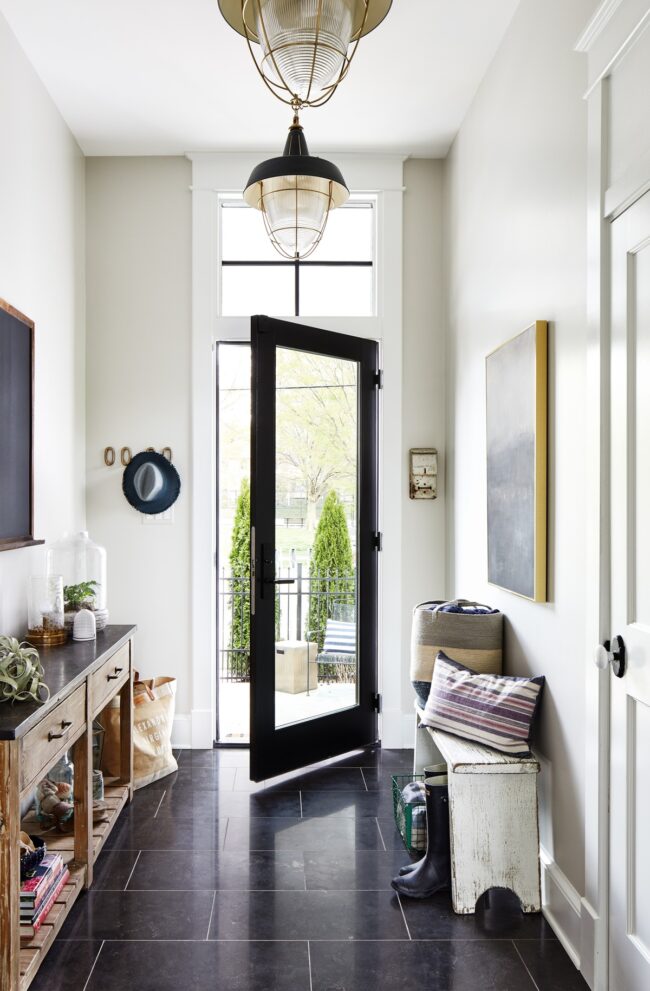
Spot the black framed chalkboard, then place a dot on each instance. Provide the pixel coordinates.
(16, 429)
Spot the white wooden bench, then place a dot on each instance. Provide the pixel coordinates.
(492, 815)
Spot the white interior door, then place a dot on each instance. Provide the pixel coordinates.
(630, 596)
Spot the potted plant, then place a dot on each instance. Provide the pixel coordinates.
(21, 673)
(76, 597)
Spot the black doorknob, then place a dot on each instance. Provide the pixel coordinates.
(612, 653)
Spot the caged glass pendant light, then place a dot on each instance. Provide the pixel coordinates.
(306, 46)
(295, 194)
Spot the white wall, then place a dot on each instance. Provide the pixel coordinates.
(139, 285)
(42, 274)
(516, 225)
(424, 523)
(138, 382)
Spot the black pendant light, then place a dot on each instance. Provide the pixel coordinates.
(295, 194)
(305, 46)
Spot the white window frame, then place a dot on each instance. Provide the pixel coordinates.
(215, 176)
(230, 197)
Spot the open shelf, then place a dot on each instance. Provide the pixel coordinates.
(33, 953)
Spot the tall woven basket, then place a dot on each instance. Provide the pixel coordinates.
(475, 640)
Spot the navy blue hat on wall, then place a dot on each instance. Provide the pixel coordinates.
(150, 483)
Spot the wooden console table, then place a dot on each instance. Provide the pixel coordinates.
(82, 677)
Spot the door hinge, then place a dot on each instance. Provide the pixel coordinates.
(377, 541)
(378, 379)
(376, 701)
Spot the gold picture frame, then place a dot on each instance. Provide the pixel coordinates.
(516, 375)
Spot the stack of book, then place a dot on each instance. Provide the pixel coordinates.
(39, 893)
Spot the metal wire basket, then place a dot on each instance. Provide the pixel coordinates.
(410, 817)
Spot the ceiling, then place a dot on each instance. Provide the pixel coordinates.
(156, 77)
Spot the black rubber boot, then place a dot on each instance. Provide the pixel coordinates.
(433, 872)
(430, 771)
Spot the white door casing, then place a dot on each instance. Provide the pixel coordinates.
(214, 175)
(629, 887)
(617, 43)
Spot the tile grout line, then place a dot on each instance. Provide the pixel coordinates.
(535, 984)
(160, 803)
(381, 836)
(348, 942)
(300, 797)
(364, 779)
(94, 965)
(311, 985)
(405, 922)
(135, 864)
(225, 833)
(214, 899)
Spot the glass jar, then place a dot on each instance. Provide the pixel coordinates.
(80, 560)
(55, 794)
(45, 619)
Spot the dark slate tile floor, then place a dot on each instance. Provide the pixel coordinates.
(210, 881)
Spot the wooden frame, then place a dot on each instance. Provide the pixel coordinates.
(516, 455)
(13, 541)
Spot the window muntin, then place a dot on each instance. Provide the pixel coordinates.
(340, 281)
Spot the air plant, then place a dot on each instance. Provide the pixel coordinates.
(21, 673)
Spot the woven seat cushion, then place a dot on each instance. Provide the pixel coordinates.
(495, 710)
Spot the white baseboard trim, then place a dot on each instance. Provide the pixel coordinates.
(390, 729)
(589, 943)
(203, 729)
(181, 732)
(562, 906)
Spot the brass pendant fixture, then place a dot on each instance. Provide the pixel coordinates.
(305, 46)
(295, 193)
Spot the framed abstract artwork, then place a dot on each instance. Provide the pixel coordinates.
(516, 417)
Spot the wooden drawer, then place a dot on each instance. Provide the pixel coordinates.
(53, 735)
(109, 677)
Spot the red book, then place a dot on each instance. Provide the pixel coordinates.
(35, 887)
(28, 932)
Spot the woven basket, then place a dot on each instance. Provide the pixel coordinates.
(476, 641)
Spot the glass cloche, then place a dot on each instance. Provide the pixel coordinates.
(83, 566)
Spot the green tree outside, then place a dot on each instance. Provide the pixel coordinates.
(331, 565)
(240, 570)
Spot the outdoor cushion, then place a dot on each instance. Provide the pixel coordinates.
(340, 638)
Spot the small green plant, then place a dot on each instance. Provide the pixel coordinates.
(21, 673)
(81, 596)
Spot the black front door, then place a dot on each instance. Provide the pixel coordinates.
(314, 545)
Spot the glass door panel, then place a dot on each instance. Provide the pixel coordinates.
(313, 553)
(316, 497)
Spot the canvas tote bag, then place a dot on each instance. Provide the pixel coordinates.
(153, 716)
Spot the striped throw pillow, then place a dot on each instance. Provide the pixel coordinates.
(340, 638)
(494, 710)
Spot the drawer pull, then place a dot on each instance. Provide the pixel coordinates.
(112, 677)
(117, 670)
(65, 726)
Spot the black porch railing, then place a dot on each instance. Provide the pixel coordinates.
(302, 609)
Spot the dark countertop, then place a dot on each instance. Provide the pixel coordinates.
(65, 668)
